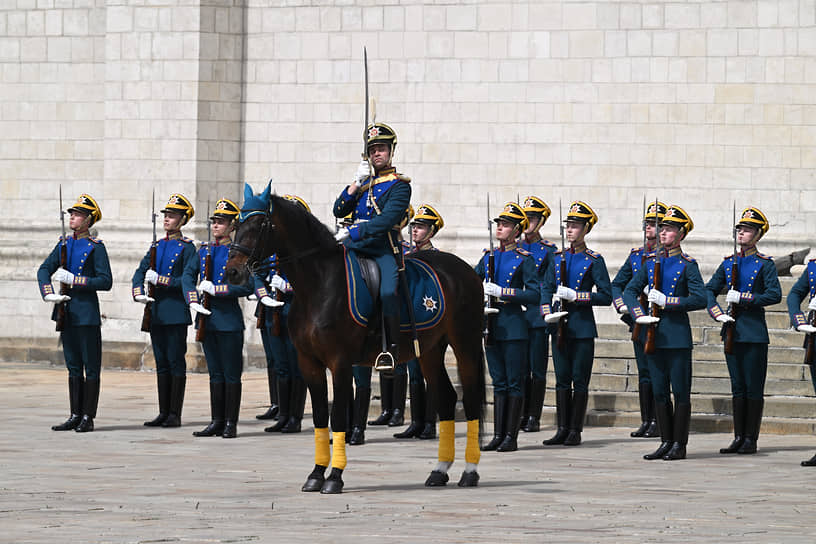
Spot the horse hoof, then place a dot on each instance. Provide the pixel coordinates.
(332, 487)
(313, 484)
(469, 479)
(437, 479)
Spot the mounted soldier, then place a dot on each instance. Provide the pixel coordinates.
(378, 202)
(84, 270)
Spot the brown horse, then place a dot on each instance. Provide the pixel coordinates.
(326, 337)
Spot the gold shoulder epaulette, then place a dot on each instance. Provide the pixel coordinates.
(688, 257)
(521, 251)
(403, 177)
(592, 253)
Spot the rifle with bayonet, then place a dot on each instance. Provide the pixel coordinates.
(730, 327)
(60, 325)
(490, 273)
(642, 299)
(201, 333)
(147, 316)
(561, 340)
(654, 310)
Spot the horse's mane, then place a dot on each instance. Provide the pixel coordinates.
(299, 220)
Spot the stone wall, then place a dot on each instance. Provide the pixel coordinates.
(699, 103)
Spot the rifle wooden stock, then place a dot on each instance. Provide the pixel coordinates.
(260, 315)
(60, 325)
(276, 318)
(490, 322)
(651, 332)
(810, 341)
(147, 316)
(561, 341)
(201, 333)
(728, 340)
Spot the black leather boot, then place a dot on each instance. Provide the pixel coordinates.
(652, 430)
(645, 398)
(178, 385)
(512, 424)
(682, 419)
(216, 426)
(386, 395)
(499, 430)
(429, 430)
(272, 411)
(90, 399)
(577, 416)
(400, 389)
(563, 400)
(359, 415)
(298, 405)
(232, 407)
(284, 401)
(392, 331)
(163, 384)
(738, 408)
(810, 462)
(753, 421)
(417, 412)
(75, 401)
(532, 421)
(665, 415)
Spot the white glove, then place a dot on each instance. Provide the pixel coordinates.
(278, 283)
(491, 289)
(63, 276)
(646, 320)
(623, 309)
(809, 329)
(646, 290)
(271, 302)
(362, 173)
(725, 318)
(144, 299)
(554, 317)
(732, 297)
(57, 299)
(488, 311)
(206, 286)
(253, 296)
(152, 277)
(657, 297)
(566, 293)
(812, 304)
(199, 309)
(342, 234)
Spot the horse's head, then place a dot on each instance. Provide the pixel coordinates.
(271, 224)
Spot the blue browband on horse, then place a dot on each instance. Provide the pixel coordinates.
(255, 204)
(243, 215)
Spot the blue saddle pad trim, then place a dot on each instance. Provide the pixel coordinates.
(426, 294)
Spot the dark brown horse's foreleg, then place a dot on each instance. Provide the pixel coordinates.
(341, 382)
(318, 388)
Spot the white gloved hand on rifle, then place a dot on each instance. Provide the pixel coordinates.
(342, 234)
(565, 293)
(152, 277)
(808, 329)
(555, 317)
(56, 299)
(144, 299)
(812, 304)
(491, 289)
(732, 297)
(646, 320)
(657, 297)
(63, 276)
(271, 302)
(206, 286)
(624, 309)
(199, 309)
(725, 318)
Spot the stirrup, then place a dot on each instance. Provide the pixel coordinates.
(384, 362)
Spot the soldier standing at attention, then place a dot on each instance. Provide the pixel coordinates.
(570, 285)
(424, 226)
(175, 254)
(636, 258)
(679, 291)
(538, 352)
(86, 270)
(756, 286)
(266, 320)
(223, 322)
(514, 283)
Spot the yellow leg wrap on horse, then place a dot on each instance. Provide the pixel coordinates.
(322, 452)
(339, 451)
(447, 448)
(472, 452)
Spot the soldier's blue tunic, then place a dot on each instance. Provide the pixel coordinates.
(170, 315)
(87, 259)
(804, 288)
(515, 273)
(370, 234)
(670, 365)
(537, 348)
(626, 272)
(224, 339)
(586, 269)
(758, 284)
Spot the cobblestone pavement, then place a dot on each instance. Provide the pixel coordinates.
(125, 483)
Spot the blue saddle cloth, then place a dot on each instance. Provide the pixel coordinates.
(426, 294)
